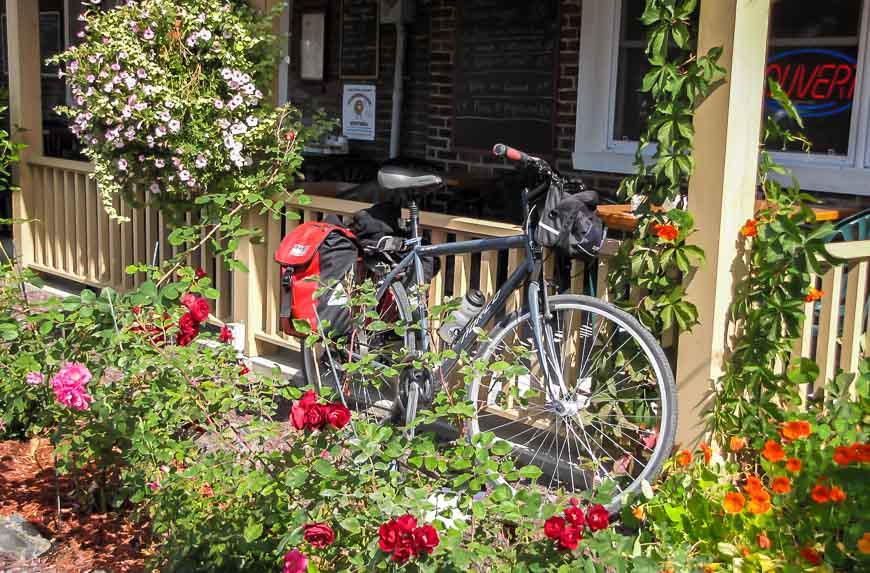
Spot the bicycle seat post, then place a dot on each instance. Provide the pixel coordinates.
(414, 211)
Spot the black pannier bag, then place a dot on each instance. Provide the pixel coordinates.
(570, 224)
(327, 253)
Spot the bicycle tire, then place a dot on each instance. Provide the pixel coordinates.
(664, 380)
(313, 358)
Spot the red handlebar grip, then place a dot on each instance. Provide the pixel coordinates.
(514, 154)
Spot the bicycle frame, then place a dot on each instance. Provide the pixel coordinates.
(530, 268)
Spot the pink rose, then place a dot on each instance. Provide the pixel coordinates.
(295, 562)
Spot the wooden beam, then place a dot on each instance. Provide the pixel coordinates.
(721, 191)
(25, 113)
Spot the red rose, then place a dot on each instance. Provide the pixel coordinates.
(137, 309)
(188, 300)
(319, 535)
(404, 551)
(244, 370)
(200, 310)
(200, 273)
(597, 517)
(337, 415)
(569, 538)
(389, 536)
(575, 517)
(426, 539)
(226, 334)
(299, 410)
(188, 329)
(553, 527)
(290, 136)
(315, 417)
(407, 523)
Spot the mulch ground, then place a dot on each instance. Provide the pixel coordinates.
(81, 542)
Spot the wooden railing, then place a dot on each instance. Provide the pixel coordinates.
(73, 238)
(456, 276)
(835, 330)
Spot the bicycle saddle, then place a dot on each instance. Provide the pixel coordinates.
(393, 178)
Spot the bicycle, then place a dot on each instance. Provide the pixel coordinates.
(591, 396)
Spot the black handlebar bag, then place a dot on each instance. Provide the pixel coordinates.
(311, 256)
(570, 224)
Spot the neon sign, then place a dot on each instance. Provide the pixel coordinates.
(820, 82)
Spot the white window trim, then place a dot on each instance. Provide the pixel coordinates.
(595, 149)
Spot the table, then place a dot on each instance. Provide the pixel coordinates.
(620, 217)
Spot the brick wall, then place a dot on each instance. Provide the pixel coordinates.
(429, 76)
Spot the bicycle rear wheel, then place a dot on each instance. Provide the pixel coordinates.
(344, 365)
(614, 416)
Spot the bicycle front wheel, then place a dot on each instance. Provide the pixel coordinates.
(610, 413)
(352, 367)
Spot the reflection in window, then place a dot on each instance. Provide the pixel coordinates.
(632, 106)
(813, 55)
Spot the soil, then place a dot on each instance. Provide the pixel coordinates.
(81, 542)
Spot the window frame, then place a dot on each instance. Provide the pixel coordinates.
(596, 150)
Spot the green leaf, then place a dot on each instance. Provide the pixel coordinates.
(530, 472)
(501, 448)
(351, 524)
(253, 531)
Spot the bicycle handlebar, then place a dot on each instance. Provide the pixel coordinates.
(512, 154)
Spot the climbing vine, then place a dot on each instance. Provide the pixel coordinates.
(784, 247)
(657, 259)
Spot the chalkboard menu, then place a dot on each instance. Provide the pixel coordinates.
(360, 31)
(505, 74)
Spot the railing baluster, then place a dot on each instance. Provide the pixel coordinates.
(856, 298)
(826, 358)
(38, 226)
(91, 207)
(515, 301)
(69, 213)
(461, 270)
(273, 274)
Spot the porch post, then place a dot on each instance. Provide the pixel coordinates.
(25, 112)
(721, 192)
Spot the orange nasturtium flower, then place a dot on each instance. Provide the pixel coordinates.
(684, 458)
(795, 430)
(763, 541)
(773, 451)
(736, 443)
(837, 494)
(749, 228)
(781, 484)
(733, 502)
(708, 452)
(843, 455)
(639, 513)
(758, 506)
(821, 494)
(814, 294)
(753, 485)
(793, 465)
(864, 543)
(666, 232)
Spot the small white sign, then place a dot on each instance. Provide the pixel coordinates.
(358, 112)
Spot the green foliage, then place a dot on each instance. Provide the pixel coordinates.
(688, 526)
(658, 258)
(784, 247)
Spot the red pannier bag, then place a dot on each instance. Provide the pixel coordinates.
(326, 252)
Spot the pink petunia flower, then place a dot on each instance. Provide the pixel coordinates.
(35, 378)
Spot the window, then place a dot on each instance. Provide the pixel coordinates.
(816, 52)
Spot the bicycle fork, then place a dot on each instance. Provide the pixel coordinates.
(542, 333)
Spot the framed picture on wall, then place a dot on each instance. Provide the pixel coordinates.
(312, 45)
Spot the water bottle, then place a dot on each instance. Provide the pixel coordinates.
(470, 307)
